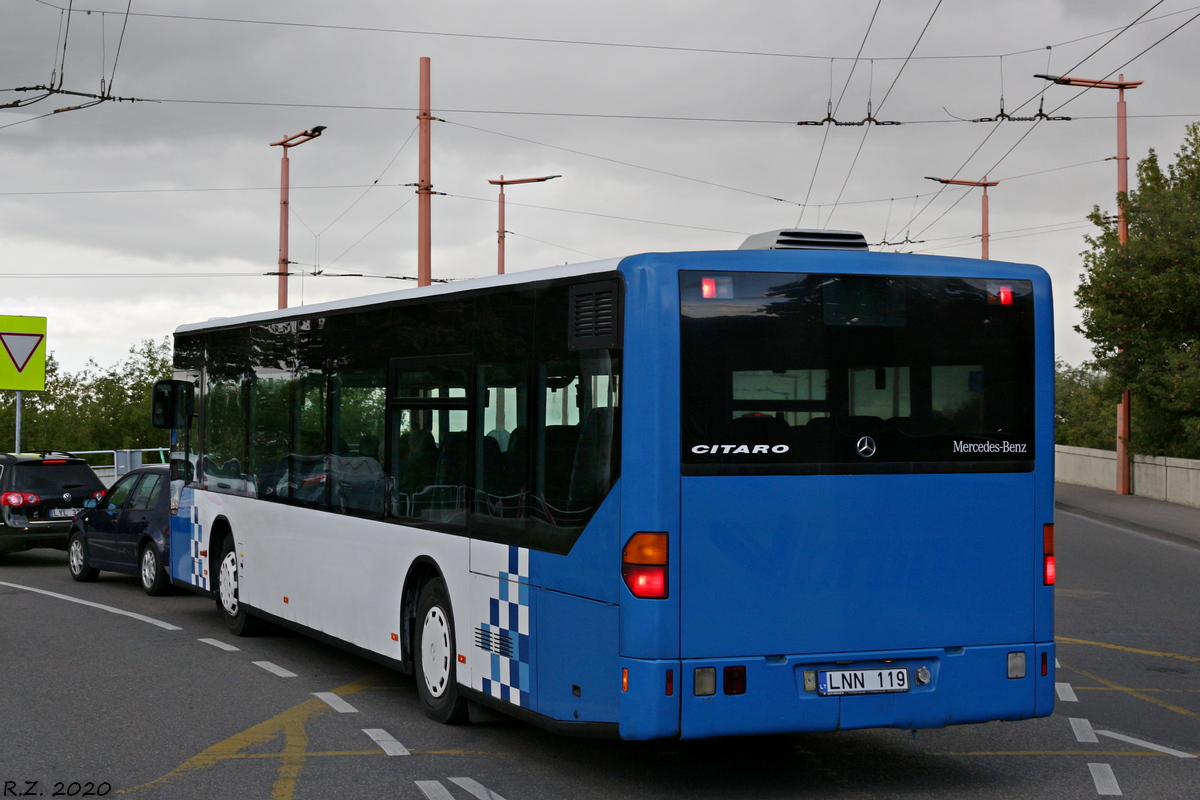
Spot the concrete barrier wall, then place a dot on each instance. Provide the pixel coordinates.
(1176, 480)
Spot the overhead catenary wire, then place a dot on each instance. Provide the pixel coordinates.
(833, 110)
(996, 126)
(886, 95)
(599, 44)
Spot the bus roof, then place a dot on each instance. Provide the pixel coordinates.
(509, 279)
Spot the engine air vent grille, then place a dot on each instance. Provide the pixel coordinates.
(595, 321)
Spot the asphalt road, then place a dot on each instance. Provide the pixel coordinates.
(155, 703)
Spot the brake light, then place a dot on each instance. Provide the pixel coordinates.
(644, 565)
(1006, 295)
(98, 494)
(1049, 568)
(708, 288)
(55, 461)
(17, 499)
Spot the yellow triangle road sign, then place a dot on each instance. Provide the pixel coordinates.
(23, 360)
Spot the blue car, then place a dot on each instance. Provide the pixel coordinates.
(126, 531)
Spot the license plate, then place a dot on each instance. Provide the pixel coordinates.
(63, 512)
(862, 681)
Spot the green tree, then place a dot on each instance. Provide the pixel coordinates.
(98, 408)
(1084, 413)
(1141, 303)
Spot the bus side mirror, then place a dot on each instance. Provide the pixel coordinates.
(171, 404)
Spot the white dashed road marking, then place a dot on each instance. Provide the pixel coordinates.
(433, 790)
(336, 703)
(141, 617)
(218, 643)
(1148, 745)
(1106, 782)
(1083, 731)
(386, 741)
(275, 669)
(472, 786)
(1066, 693)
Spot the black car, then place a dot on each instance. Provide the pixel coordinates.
(40, 493)
(126, 530)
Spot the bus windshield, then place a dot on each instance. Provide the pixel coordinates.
(794, 373)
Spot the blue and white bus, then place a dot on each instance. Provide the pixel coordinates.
(795, 487)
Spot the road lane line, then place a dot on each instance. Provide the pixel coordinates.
(1105, 780)
(475, 788)
(336, 703)
(386, 742)
(1065, 693)
(433, 790)
(275, 669)
(1083, 731)
(141, 617)
(1135, 693)
(1145, 744)
(218, 643)
(1126, 649)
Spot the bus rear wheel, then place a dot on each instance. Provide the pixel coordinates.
(239, 621)
(436, 661)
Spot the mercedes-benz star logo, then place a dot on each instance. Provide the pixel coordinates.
(865, 447)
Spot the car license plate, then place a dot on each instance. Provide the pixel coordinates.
(63, 512)
(862, 681)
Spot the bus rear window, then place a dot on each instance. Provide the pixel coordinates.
(793, 373)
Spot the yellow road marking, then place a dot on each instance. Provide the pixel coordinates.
(1065, 640)
(289, 724)
(374, 752)
(1134, 693)
(1050, 753)
(1110, 689)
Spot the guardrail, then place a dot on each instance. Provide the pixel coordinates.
(112, 464)
(1176, 480)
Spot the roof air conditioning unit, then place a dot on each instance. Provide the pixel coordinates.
(805, 240)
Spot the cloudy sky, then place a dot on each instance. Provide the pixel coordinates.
(672, 124)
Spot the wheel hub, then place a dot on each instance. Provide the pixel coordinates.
(435, 651)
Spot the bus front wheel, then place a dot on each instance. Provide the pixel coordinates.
(240, 622)
(436, 662)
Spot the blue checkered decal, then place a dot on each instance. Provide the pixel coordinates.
(506, 633)
(198, 576)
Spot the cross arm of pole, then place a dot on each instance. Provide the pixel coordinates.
(509, 181)
(984, 182)
(1090, 84)
(299, 138)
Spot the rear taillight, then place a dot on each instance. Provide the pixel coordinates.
(1049, 568)
(644, 565)
(98, 495)
(17, 499)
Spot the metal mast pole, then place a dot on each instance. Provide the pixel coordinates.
(424, 185)
(283, 230)
(985, 183)
(1124, 415)
(287, 143)
(500, 230)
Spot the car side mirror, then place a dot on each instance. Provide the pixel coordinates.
(89, 503)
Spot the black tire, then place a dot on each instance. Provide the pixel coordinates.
(77, 560)
(154, 577)
(435, 660)
(240, 622)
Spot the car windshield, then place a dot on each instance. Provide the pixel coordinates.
(48, 478)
